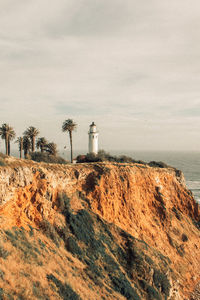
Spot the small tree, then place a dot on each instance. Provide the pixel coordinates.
(41, 144)
(69, 125)
(51, 148)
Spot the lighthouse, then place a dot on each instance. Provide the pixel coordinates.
(93, 139)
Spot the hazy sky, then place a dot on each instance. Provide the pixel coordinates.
(131, 66)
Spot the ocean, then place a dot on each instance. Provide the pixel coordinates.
(187, 162)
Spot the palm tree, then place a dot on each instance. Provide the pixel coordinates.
(26, 145)
(51, 148)
(41, 143)
(32, 132)
(69, 126)
(7, 133)
(19, 141)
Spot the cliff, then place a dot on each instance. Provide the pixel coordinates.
(97, 231)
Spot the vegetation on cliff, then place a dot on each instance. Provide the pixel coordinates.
(96, 231)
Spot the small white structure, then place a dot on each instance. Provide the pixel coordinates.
(93, 139)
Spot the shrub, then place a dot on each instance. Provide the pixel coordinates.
(2, 274)
(177, 213)
(72, 246)
(91, 157)
(80, 159)
(46, 157)
(121, 285)
(181, 251)
(64, 290)
(18, 239)
(184, 237)
(151, 292)
(36, 289)
(3, 253)
(105, 156)
(161, 281)
(31, 232)
(158, 164)
(91, 181)
(94, 272)
(63, 202)
(81, 225)
(48, 229)
(2, 162)
(196, 223)
(1, 294)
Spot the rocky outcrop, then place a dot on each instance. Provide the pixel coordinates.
(149, 204)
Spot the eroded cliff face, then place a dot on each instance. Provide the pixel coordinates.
(151, 204)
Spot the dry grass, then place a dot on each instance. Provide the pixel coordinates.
(131, 204)
(21, 277)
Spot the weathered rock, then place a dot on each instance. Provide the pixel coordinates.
(151, 204)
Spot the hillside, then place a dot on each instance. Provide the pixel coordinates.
(96, 231)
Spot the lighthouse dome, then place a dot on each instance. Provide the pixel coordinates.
(93, 128)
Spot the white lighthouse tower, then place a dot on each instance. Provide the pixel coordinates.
(93, 139)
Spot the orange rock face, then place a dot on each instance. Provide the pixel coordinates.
(152, 204)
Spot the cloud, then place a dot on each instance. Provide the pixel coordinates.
(133, 67)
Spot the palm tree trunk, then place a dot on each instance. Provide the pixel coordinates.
(9, 146)
(70, 137)
(33, 144)
(25, 153)
(6, 141)
(6, 146)
(21, 147)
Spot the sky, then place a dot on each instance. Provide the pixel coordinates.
(132, 67)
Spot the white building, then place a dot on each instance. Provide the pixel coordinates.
(93, 139)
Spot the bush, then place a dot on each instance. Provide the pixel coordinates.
(184, 237)
(122, 285)
(48, 158)
(50, 232)
(81, 225)
(2, 162)
(161, 281)
(196, 223)
(64, 290)
(18, 239)
(90, 157)
(72, 246)
(105, 156)
(158, 164)
(1, 294)
(151, 292)
(3, 253)
(177, 213)
(62, 202)
(2, 274)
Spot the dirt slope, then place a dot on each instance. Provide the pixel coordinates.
(102, 231)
